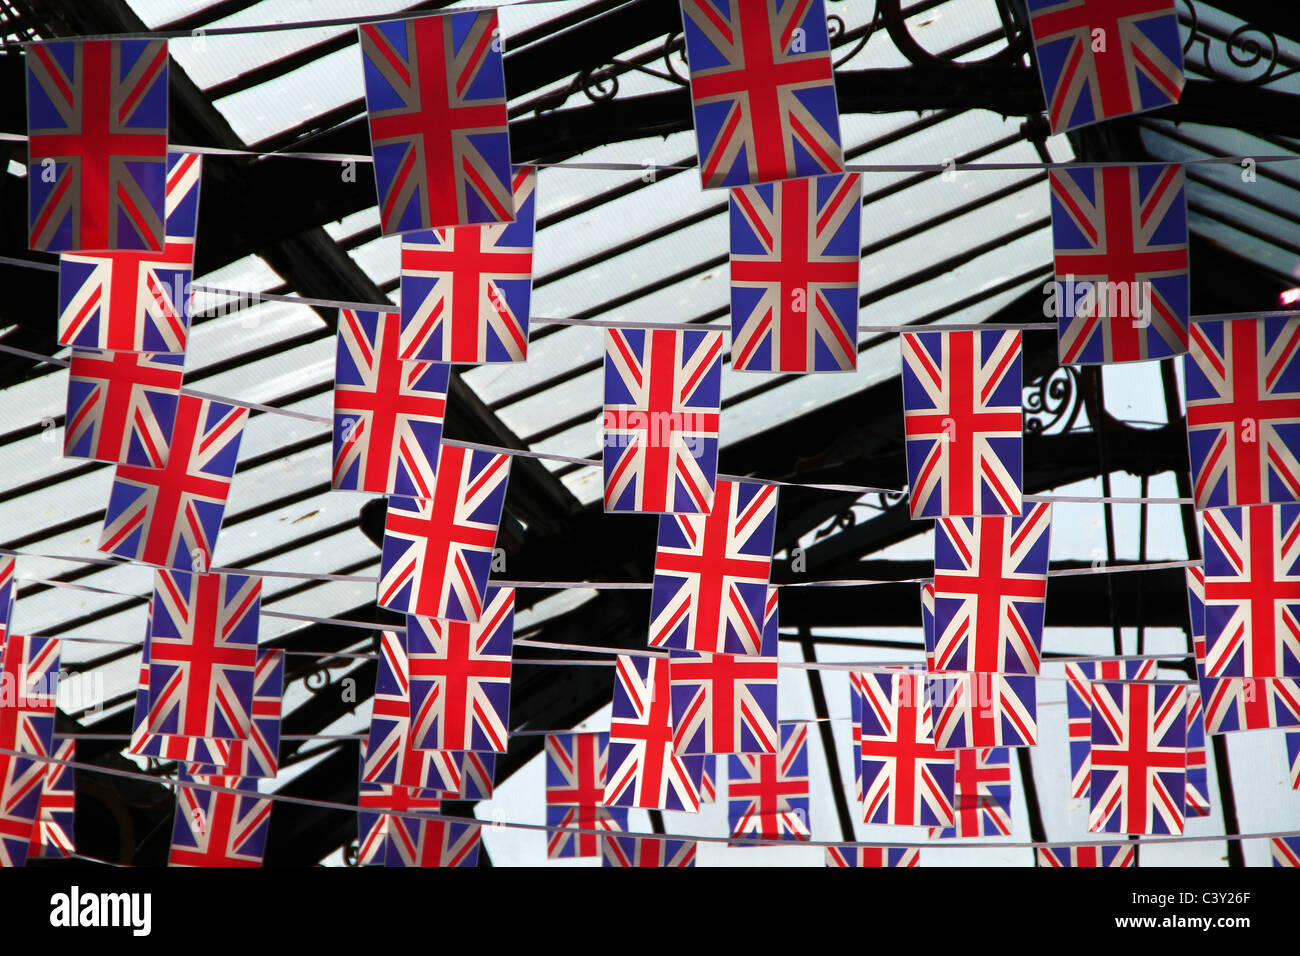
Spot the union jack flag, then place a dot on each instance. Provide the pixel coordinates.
(1251, 703)
(856, 681)
(477, 773)
(712, 573)
(1120, 234)
(202, 654)
(990, 588)
(122, 406)
(53, 829)
(768, 793)
(29, 674)
(576, 767)
(97, 110)
(1252, 591)
(906, 779)
(962, 422)
(259, 754)
(709, 780)
(1293, 758)
(387, 413)
(1139, 757)
(980, 709)
(460, 678)
(1079, 676)
(663, 392)
(390, 756)
(762, 90)
(1286, 851)
(1093, 855)
(1133, 65)
(382, 809)
(1197, 798)
(7, 564)
(21, 779)
(466, 290)
(644, 770)
(137, 301)
(170, 516)
(851, 855)
(646, 851)
(794, 275)
(927, 623)
(982, 787)
(438, 551)
(725, 703)
(1243, 411)
(219, 827)
(415, 841)
(198, 751)
(435, 92)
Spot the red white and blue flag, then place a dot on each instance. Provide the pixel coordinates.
(477, 776)
(762, 89)
(1243, 411)
(1095, 855)
(927, 623)
(383, 811)
(217, 827)
(170, 516)
(663, 394)
(856, 680)
(122, 406)
(981, 709)
(1079, 676)
(1293, 758)
(52, 834)
(1252, 591)
(1138, 758)
(794, 275)
(850, 855)
(29, 675)
(646, 851)
(437, 550)
(644, 769)
(191, 751)
(709, 780)
(767, 794)
(1120, 235)
(435, 94)
(460, 678)
(259, 754)
(1197, 800)
(390, 757)
(416, 841)
(576, 766)
(202, 654)
(21, 780)
(712, 572)
(466, 290)
(1286, 851)
(906, 779)
(387, 413)
(726, 703)
(8, 562)
(962, 423)
(1099, 59)
(137, 301)
(97, 144)
(982, 805)
(990, 589)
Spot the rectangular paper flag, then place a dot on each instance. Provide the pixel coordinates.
(1286, 851)
(29, 676)
(1197, 800)
(435, 94)
(962, 422)
(131, 301)
(97, 144)
(1095, 855)
(1243, 411)
(202, 654)
(259, 754)
(1099, 60)
(762, 89)
(387, 413)
(1139, 757)
(1120, 234)
(906, 779)
(122, 406)
(438, 551)
(646, 851)
(170, 516)
(52, 834)
(663, 395)
(851, 855)
(460, 678)
(1079, 676)
(768, 794)
(465, 290)
(576, 766)
(21, 779)
(980, 709)
(990, 589)
(644, 770)
(982, 805)
(712, 572)
(794, 275)
(189, 751)
(385, 813)
(216, 827)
